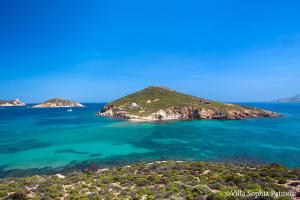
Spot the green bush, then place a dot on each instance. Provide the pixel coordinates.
(17, 196)
(281, 181)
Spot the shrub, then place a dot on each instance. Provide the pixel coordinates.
(281, 181)
(215, 185)
(18, 196)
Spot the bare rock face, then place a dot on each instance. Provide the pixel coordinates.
(158, 103)
(16, 102)
(187, 113)
(58, 103)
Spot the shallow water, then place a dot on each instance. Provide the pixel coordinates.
(39, 138)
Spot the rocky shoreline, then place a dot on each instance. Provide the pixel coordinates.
(187, 113)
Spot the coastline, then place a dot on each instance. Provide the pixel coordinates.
(178, 119)
(59, 107)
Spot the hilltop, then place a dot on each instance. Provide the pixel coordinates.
(292, 99)
(161, 103)
(58, 103)
(16, 102)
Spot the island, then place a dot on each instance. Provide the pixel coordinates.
(161, 103)
(16, 102)
(292, 99)
(58, 103)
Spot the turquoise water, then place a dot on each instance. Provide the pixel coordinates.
(56, 139)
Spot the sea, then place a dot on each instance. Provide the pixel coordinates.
(37, 141)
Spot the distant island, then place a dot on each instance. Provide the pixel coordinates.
(292, 99)
(161, 103)
(16, 102)
(58, 103)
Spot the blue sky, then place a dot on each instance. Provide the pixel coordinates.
(96, 51)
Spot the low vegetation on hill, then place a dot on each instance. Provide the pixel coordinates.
(154, 98)
(159, 180)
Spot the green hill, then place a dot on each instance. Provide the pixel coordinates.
(160, 103)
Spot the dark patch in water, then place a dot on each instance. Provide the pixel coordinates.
(112, 162)
(70, 151)
(2, 167)
(42, 121)
(244, 159)
(24, 145)
(96, 155)
(2, 132)
(118, 161)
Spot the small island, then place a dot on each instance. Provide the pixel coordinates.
(58, 103)
(16, 102)
(161, 103)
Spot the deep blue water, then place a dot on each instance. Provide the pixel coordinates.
(52, 138)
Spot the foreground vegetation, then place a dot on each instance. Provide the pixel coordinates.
(158, 180)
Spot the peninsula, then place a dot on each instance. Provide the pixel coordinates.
(58, 103)
(160, 103)
(16, 102)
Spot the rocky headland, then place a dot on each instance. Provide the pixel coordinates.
(58, 103)
(16, 102)
(160, 103)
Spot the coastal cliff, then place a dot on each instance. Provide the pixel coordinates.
(16, 102)
(58, 103)
(160, 103)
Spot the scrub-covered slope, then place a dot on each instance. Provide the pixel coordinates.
(161, 180)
